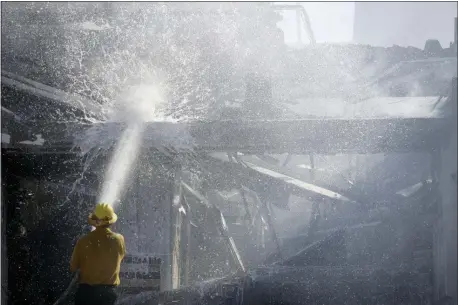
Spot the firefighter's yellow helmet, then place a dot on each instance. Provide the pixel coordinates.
(103, 214)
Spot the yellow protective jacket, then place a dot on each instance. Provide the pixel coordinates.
(98, 256)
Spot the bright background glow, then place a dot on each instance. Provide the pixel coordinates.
(331, 22)
(377, 23)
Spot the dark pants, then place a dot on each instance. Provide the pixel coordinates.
(95, 295)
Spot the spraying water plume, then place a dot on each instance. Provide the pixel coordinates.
(138, 105)
(124, 157)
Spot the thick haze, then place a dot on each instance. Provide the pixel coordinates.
(404, 23)
(410, 23)
(223, 68)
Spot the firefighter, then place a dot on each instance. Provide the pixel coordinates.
(97, 256)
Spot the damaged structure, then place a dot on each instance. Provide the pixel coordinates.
(243, 211)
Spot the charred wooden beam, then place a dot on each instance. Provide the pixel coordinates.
(292, 136)
(262, 180)
(270, 222)
(176, 228)
(318, 253)
(187, 239)
(37, 89)
(45, 106)
(301, 186)
(221, 222)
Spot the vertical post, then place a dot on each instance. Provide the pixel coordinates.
(312, 167)
(270, 223)
(445, 262)
(176, 258)
(221, 223)
(177, 220)
(456, 32)
(137, 208)
(248, 217)
(187, 241)
(298, 25)
(350, 167)
(168, 235)
(287, 159)
(356, 172)
(4, 253)
(314, 219)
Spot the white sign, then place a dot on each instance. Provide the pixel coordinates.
(140, 271)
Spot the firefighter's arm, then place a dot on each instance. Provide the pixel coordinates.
(74, 262)
(123, 246)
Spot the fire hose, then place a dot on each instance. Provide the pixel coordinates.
(67, 291)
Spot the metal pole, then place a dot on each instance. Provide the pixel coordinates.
(187, 250)
(298, 25)
(456, 31)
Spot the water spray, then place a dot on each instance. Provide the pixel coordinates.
(124, 157)
(136, 107)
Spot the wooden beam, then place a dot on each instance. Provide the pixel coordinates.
(177, 223)
(302, 136)
(41, 90)
(291, 136)
(259, 178)
(221, 222)
(187, 242)
(270, 222)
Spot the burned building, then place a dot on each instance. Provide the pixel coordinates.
(203, 205)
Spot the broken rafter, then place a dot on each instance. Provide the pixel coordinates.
(280, 136)
(299, 184)
(370, 136)
(254, 177)
(236, 159)
(222, 227)
(42, 90)
(270, 222)
(11, 114)
(14, 126)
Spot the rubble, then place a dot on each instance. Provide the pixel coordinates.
(373, 246)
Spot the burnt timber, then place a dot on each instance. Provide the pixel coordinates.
(27, 98)
(299, 136)
(284, 283)
(29, 109)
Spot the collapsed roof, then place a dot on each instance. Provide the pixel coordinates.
(395, 129)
